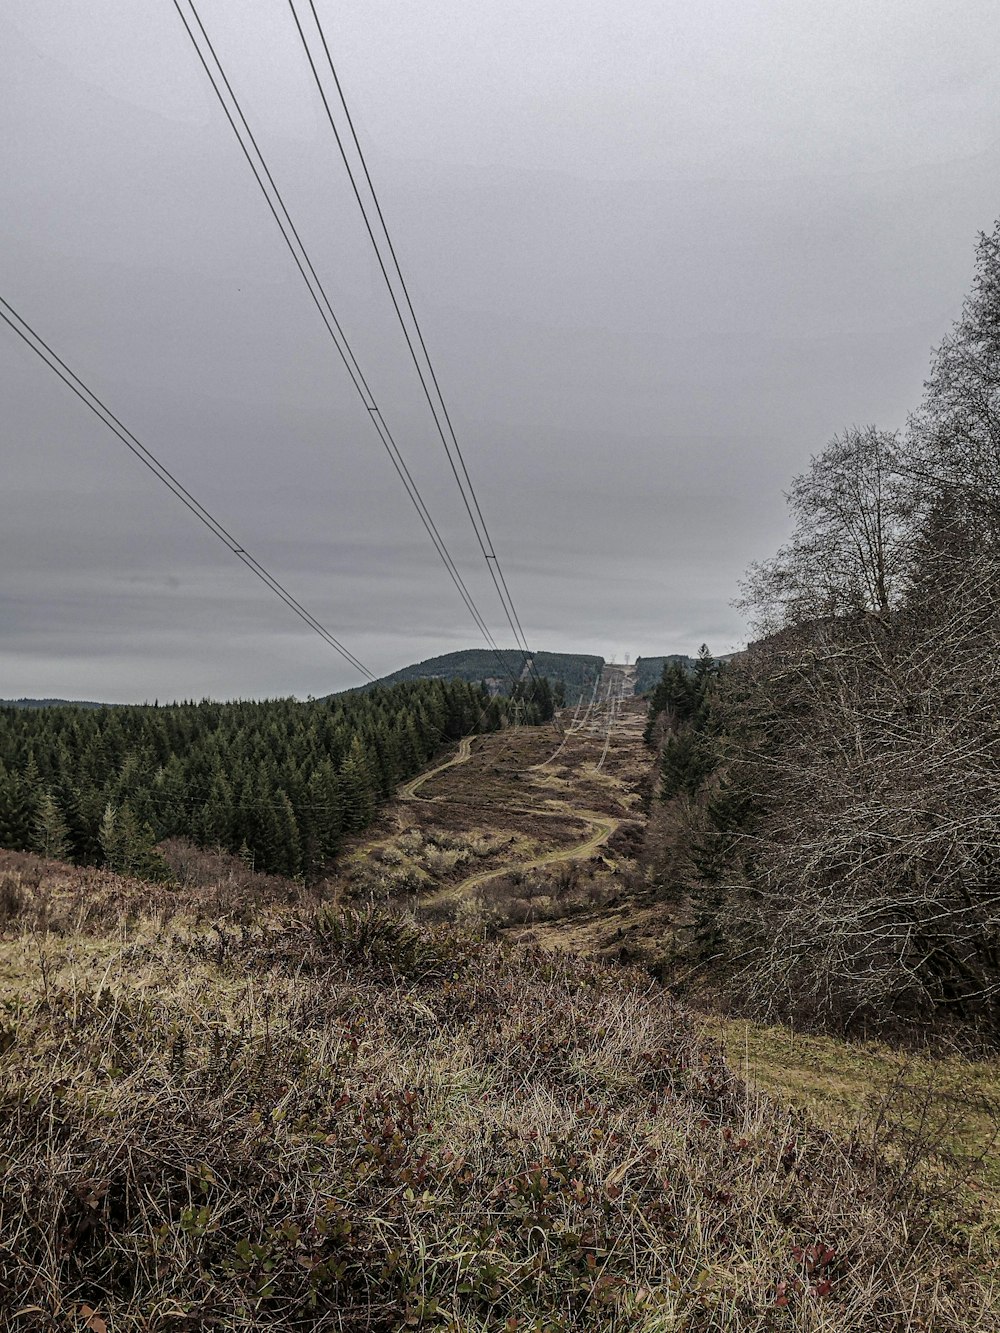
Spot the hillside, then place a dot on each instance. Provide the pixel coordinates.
(577, 670)
(247, 1110)
(431, 1092)
(648, 670)
(279, 782)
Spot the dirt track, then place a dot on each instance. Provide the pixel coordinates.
(536, 798)
(409, 791)
(603, 826)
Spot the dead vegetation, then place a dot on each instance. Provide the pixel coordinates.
(417, 860)
(305, 1118)
(465, 837)
(231, 1103)
(50, 898)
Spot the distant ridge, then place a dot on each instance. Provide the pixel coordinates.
(55, 703)
(578, 671)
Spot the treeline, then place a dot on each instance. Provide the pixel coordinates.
(842, 832)
(280, 782)
(649, 670)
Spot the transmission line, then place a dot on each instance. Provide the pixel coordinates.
(439, 408)
(279, 210)
(145, 456)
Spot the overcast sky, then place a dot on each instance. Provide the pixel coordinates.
(661, 250)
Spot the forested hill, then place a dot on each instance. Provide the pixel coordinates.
(577, 671)
(53, 703)
(279, 781)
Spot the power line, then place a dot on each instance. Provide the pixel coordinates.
(145, 456)
(445, 428)
(293, 240)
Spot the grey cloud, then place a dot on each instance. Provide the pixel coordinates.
(661, 252)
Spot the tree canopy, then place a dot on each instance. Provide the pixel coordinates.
(279, 781)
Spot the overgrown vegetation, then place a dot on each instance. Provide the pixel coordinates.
(304, 1118)
(279, 782)
(840, 817)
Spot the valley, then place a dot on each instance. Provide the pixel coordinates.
(528, 835)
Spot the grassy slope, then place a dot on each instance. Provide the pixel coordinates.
(225, 1113)
(952, 1104)
(953, 1100)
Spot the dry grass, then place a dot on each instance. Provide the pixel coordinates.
(419, 859)
(843, 1083)
(295, 1119)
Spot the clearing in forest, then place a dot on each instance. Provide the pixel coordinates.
(515, 823)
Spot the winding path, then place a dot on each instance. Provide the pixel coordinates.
(601, 829)
(408, 792)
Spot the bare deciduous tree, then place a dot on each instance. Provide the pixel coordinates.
(871, 753)
(847, 552)
(865, 737)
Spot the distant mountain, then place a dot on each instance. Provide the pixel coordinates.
(54, 703)
(577, 670)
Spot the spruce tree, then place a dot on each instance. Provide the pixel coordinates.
(18, 811)
(705, 668)
(51, 834)
(357, 799)
(130, 847)
(288, 848)
(686, 763)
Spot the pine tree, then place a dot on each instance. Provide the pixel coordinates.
(320, 819)
(675, 695)
(18, 811)
(357, 799)
(51, 834)
(129, 847)
(705, 668)
(686, 762)
(215, 819)
(82, 846)
(288, 848)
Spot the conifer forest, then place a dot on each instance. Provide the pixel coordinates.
(280, 781)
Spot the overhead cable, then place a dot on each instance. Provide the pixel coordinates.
(273, 197)
(422, 362)
(145, 456)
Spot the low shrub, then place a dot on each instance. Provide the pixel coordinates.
(347, 1120)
